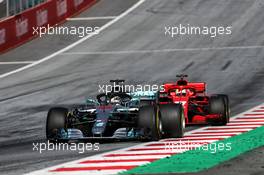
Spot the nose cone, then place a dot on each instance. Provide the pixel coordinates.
(102, 116)
(99, 128)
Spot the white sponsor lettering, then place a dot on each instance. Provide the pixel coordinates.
(2, 36)
(42, 17)
(61, 7)
(21, 27)
(77, 2)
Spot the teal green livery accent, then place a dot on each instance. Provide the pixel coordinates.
(147, 95)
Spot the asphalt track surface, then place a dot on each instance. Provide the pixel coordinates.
(136, 49)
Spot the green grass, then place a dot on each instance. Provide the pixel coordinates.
(197, 160)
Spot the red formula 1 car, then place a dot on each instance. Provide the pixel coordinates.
(198, 107)
(181, 103)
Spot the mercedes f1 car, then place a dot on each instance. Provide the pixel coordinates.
(112, 115)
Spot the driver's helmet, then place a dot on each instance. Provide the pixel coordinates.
(116, 100)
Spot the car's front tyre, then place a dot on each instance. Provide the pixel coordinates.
(173, 120)
(56, 120)
(219, 104)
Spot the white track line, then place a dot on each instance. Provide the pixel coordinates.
(245, 124)
(91, 18)
(95, 172)
(169, 145)
(123, 158)
(151, 151)
(227, 127)
(183, 142)
(16, 62)
(249, 119)
(166, 148)
(191, 137)
(215, 134)
(232, 129)
(162, 50)
(217, 131)
(109, 164)
(76, 43)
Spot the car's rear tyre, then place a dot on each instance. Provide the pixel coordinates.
(149, 122)
(173, 120)
(56, 119)
(219, 104)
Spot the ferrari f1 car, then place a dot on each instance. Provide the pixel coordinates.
(198, 107)
(181, 103)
